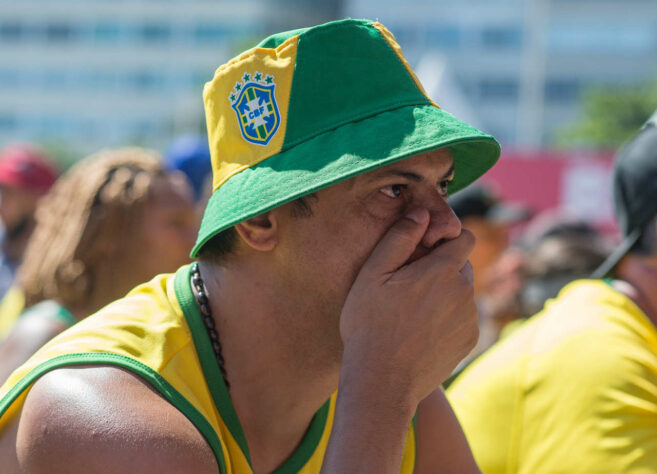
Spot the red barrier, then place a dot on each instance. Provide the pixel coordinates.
(575, 183)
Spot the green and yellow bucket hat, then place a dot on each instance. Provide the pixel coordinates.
(308, 108)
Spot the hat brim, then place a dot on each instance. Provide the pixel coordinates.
(605, 269)
(342, 153)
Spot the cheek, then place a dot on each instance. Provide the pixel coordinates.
(330, 248)
(353, 241)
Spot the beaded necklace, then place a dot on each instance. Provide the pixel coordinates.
(201, 297)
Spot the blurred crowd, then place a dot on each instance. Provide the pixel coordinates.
(522, 258)
(75, 242)
(564, 378)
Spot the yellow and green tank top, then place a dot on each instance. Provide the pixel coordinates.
(157, 333)
(574, 390)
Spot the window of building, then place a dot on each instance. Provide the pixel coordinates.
(11, 31)
(443, 36)
(145, 81)
(509, 37)
(7, 122)
(210, 33)
(223, 33)
(561, 90)
(59, 32)
(107, 32)
(498, 89)
(155, 33)
(602, 39)
(143, 128)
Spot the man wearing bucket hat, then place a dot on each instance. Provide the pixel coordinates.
(327, 256)
(575, 388)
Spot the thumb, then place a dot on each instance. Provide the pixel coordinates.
(398, 243)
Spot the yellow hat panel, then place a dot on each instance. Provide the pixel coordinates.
(246, 106)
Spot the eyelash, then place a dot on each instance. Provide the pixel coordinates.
(442, 189)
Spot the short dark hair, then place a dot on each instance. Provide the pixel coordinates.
(223, 244)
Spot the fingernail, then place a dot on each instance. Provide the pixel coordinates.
(417, 215)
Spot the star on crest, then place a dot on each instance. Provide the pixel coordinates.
(248, 78)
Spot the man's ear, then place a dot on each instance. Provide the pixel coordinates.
(260, 232)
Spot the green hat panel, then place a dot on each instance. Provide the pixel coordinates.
(345, 71)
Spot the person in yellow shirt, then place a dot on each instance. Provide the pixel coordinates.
(331, 297)
(574, 390)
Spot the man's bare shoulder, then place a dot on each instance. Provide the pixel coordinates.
(105, 419)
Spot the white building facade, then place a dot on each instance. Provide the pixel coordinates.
(97, 73)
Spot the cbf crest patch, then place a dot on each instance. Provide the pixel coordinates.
(254, 103)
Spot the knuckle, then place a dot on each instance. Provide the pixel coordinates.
(468, 238)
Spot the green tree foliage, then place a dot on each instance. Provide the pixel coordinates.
(611, 116)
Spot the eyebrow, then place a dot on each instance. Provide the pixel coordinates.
(410, 176)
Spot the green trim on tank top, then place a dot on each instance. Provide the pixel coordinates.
(217, 386)
(146, 373)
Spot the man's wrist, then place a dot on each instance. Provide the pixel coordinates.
(374, 387)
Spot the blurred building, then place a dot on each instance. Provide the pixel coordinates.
(89, 74)
(92, 73)
(516, 68)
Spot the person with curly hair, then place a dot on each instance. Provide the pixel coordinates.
(112, 221)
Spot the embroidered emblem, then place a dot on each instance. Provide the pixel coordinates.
(254, 102)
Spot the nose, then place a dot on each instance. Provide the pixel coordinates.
(443, 224)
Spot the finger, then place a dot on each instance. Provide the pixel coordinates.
(398, 243)
(452, 254)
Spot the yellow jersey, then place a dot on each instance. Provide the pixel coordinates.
(574, 390)
(157, 333)
(11, 307)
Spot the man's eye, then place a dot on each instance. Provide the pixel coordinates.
(442, 187)
(393, 191)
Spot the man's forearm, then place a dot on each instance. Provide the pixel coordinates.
(370, 426)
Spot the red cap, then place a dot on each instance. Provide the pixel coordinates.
(24, 166)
